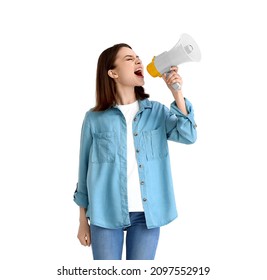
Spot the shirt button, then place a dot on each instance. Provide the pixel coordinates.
(135, 119)
(142, 182)
(137, 150)
(144, 199)
(135, 134)
(140, 166)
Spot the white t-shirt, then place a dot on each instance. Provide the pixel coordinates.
(133, 185)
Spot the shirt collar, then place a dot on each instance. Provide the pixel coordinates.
(144, 104)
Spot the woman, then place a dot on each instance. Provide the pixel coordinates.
(125, 182)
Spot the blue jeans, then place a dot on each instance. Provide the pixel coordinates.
(141, 243)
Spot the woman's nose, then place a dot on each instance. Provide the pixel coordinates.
(138, 61)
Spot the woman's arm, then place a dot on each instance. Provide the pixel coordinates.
(180, 123)
(171, 79)
(81, 193)
(84, 229)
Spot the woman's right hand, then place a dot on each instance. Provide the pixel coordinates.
(84, 235)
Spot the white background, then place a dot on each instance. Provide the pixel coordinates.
(48, 55)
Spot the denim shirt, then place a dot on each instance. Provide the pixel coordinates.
(102, 181)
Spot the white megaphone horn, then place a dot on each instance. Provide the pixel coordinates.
(185, 50)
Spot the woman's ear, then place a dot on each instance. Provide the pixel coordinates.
(112, 74)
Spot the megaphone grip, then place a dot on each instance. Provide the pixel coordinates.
(176, 86)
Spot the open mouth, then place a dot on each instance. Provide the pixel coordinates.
(139, 73)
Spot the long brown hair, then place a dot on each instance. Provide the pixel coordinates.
(105, 85)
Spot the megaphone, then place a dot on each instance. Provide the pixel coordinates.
(185, 50)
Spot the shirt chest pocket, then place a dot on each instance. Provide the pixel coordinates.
(104, 147)
(155, 144)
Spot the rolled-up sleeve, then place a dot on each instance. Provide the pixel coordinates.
(81, 193)
(180, 127)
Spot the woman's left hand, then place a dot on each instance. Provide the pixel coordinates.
(172, 78)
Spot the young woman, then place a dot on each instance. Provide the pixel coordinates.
(125, 182)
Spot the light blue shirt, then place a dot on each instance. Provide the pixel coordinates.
(102, 182)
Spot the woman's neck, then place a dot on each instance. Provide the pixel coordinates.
(126, 97)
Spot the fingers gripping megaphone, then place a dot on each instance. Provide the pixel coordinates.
(185, 50)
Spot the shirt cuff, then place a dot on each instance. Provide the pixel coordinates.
(179, 113)
(80, 198)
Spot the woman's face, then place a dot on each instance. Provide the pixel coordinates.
(128, 69)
